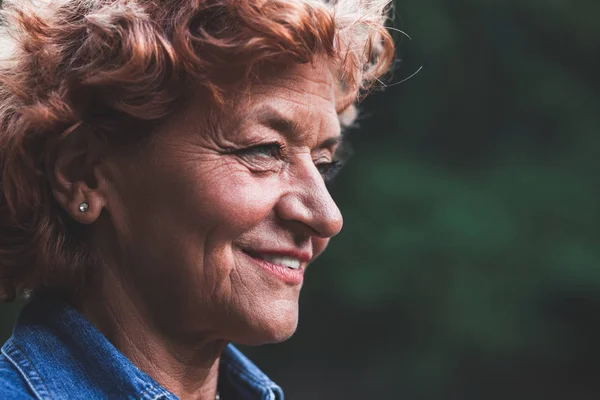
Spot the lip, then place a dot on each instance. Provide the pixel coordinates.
(287, 275)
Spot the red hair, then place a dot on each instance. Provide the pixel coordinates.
(110, 65)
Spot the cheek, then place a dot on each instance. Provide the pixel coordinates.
(237, 201)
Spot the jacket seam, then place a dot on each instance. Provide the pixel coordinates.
(16, 356)
(245, 371)
(153, 392)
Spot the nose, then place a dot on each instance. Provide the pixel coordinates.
(308, 202)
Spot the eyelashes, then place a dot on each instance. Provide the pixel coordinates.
(341, 156)
(269, 150)
(330, 170)
(267, 156)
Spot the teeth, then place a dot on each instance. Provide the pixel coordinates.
(289, 262)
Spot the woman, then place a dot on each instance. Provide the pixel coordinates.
(164, 168)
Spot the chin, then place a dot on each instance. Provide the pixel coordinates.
(272, 330)
(282, 334)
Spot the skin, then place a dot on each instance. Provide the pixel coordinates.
(175, 223)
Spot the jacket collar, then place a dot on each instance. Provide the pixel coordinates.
(62, 355)
(240, 378)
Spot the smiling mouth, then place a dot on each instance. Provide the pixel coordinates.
(282, 261)
(285, 268)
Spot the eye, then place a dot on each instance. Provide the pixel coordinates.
(329, 170)
(266, 157)
(269, 150)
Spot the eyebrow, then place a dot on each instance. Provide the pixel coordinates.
(271, 117)
(274, 119)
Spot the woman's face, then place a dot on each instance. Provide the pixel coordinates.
(215, 229)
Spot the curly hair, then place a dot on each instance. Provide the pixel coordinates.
(113, 65)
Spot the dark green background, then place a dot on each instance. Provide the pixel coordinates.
(468, 267)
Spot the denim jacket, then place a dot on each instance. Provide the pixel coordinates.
(55, 353)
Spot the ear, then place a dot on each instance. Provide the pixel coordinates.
(76, 175)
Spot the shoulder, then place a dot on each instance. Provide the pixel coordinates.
(12, 384)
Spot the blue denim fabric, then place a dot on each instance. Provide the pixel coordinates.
(55, 353)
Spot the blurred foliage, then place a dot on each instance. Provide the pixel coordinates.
(468, 267)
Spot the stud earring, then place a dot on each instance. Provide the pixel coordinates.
(83, 207)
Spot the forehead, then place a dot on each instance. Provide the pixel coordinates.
(312, 80)
(302, 98)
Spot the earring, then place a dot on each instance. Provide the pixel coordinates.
(83, 207)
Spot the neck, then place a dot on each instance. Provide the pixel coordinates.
(188, 368)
